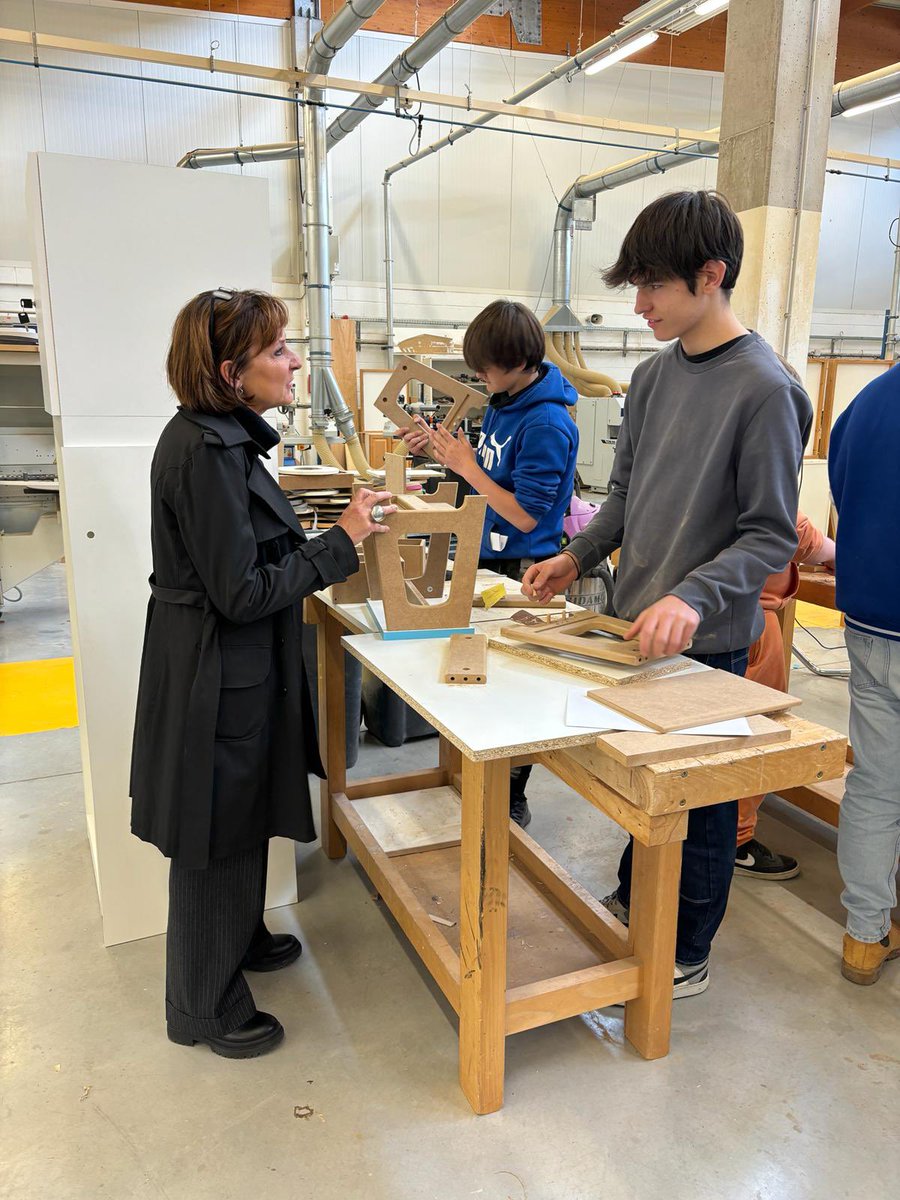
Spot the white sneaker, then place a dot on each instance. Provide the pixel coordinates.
(691, 980)
(616, 907)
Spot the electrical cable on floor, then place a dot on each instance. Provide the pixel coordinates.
(9, 599)
(824, 645)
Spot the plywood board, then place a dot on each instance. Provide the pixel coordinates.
(638, 749)
(465, 659)
(695, 699)
(411, 821)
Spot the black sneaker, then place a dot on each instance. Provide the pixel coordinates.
(519, 810)
(758, 861)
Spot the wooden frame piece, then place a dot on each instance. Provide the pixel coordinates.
(400, 611)
(388, 403)
(567, 634)
(465, 659)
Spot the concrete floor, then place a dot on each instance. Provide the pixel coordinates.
(782, 1081)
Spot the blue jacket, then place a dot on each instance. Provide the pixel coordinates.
(528, 445)
(863, 470)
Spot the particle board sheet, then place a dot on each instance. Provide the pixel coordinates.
(696, 699)
(540, 942)
(405, 822)
(638, 749)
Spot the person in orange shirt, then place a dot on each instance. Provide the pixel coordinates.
(766, 665)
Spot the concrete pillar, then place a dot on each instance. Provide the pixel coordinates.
(776, 109)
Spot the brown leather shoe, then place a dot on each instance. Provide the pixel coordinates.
(863, 961)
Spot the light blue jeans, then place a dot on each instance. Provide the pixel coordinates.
(869, 831)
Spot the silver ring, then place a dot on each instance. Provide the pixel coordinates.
(377, 513)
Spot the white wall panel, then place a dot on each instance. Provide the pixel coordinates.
(21, 131)
(476, 182)
(542, 169)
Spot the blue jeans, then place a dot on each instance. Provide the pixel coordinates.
(869, 830)
(707, 861)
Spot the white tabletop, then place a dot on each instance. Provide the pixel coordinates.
(520, 710)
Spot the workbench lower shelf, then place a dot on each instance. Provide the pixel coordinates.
(565, 953)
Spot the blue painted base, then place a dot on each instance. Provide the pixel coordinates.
(396, 635)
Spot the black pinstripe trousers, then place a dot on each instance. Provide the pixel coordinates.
(215, 922)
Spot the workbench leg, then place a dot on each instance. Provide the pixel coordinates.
(450, 760)
(655, 876)
(484, 893)
(332, 732)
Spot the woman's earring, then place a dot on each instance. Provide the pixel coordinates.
(240, 390)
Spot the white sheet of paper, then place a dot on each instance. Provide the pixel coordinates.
(584, 713)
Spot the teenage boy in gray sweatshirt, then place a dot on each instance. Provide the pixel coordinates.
(702, 500)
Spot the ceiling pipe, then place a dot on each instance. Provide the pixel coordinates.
(447, 27)
(848, 95)
(653, 16)
(324, 390)
(227, 157)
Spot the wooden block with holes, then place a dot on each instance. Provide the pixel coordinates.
(465, 660)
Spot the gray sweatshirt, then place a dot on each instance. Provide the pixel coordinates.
(704, 487)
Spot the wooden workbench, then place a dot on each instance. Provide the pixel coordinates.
(518, 942)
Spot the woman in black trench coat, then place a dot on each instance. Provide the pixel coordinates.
(224, 732)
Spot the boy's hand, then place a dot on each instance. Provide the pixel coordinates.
(416, 436)
(455, 453)
(665, 628)
(544, 580)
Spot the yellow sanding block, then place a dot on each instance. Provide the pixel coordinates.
(490, 595)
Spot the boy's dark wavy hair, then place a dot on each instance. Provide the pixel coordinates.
(674, 236)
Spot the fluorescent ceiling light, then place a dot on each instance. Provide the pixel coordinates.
(708, 7)
(627, 48)
(864, 108)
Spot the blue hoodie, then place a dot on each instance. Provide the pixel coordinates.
(528, 445)
(863, 458)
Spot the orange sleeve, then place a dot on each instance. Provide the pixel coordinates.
(809, 539)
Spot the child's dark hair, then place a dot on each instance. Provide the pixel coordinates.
(674, 236)
(505, 334)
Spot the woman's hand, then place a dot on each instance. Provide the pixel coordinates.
(416, 437)
(356, 519)
(454, 453)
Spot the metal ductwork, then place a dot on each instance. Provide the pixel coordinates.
(848, 95)
(273, 152)
(325, 392)
(878, 85)
(651, 17)
(448, 26)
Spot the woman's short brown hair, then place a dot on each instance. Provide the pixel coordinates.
(240, 326)
(505, 334)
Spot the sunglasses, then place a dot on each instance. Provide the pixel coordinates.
(218, 294)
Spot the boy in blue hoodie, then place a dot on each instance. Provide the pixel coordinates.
(862, 468)
(525, 460)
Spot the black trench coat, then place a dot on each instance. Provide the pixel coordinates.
(224, 732)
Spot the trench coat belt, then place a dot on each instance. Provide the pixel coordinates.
(200, 729)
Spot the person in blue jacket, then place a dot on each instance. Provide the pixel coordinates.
(525, 459)
(865, 482)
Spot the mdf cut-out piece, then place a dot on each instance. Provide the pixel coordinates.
(465, 660)
(395, 474)
(436, 520)
(426, 343)
(667, 705)
(361, 587)
(570, 634)
(639, 749)
(388, 403)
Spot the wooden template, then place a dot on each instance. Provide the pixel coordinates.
(688, 700)
(602, 675)
(568, 634)
(465, 660)
(388, 403)
(395, 474)
(426, 343)
(405, 606)
(359, 587)
(638, 749)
